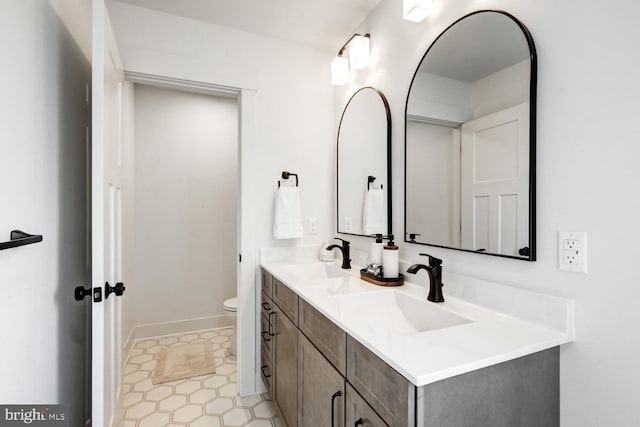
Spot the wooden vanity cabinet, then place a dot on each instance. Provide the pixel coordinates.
(317, 368)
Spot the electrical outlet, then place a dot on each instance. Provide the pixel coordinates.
(571, 257)
(313, 225)
(348, 223)
(572, 251)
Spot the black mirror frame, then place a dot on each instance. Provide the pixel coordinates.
(389, 180)
(532, 139)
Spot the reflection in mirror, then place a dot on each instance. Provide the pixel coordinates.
(364, 178)
(470, 139)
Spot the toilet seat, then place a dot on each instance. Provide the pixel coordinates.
(231, 304)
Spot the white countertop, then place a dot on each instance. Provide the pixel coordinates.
(527, 322)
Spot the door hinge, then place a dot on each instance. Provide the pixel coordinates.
(239, 257)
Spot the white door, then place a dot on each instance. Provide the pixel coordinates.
(106, 188)
(495, 182)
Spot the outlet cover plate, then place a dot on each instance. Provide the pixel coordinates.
(572, 251)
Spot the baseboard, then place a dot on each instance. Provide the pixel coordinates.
(177, 327)
(128, 346)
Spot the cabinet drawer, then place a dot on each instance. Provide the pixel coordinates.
(266, 370)
(267, 283)
(358, 409)
(286, 299)
(324, 334)
(388, 392)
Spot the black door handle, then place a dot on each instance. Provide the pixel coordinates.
(20, 238)
(80, 293)
(267, 338)
(118, 289)
(333, 398)
(266, 306)
(358, 422)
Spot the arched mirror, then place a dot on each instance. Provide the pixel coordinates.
(470, 139)
(364, 165)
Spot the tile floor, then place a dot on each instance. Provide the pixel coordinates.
(205, 401)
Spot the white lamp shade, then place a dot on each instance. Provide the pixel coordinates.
(417, 10)
(339, 71)
(359, 52)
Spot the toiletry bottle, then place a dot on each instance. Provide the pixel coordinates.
(390, 260)
(375, 253)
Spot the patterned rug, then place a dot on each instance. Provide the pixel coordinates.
(184, 361)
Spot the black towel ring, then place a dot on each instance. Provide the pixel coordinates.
(287, 175)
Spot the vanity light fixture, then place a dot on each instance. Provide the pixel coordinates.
(339, 71)
(358, 50)
(416, 10)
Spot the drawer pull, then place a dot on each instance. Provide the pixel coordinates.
(333, 398)
(358, 422)
(266, 306)
(271, 331)
(262, 370)
(265, 338)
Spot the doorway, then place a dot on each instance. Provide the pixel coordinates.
(185, 211)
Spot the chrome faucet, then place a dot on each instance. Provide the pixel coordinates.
(434, 269)
(346, 252)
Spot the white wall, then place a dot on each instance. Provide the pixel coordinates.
(43, 115)
(185, 205)
(293, 99)
(587, 168)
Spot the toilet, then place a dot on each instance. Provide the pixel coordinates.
(230, 310)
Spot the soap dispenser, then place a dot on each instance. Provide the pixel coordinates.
(375, 253)
(390, 260)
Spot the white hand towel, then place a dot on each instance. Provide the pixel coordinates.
(374, 216)
(287, 217)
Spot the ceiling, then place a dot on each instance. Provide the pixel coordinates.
(325, 24)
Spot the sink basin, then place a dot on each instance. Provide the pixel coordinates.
(318, 271)
(397, 313)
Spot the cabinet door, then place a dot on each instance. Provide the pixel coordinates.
(320, 388)
(286, 368)
(359, 413)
